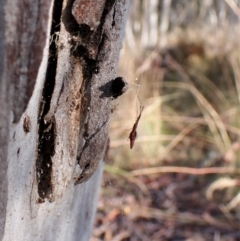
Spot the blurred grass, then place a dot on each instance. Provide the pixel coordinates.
(186, 158)
(191, 94)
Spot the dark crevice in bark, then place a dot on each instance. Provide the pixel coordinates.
(68, 20)
(46, 142)
(113, 21)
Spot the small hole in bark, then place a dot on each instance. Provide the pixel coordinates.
(114, 88)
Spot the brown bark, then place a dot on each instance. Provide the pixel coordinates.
(60, 69)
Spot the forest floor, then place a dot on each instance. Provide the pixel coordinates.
(167, 206)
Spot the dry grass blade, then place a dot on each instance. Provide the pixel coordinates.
(178, 138)
(236, 71)
(234, 202)
(201, 121)
(121, 236)
(186, 170)
(212, 88)
(225, 143)
(143, 139)
(181, 217)
(209, 113)
(128, 176)
(219, 184)
(234, 7)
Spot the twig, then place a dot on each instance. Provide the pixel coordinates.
(186, 170)
(234, 7)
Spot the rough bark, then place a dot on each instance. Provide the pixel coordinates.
(4, 120)
(61, 69)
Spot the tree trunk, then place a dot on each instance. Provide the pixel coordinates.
(57, 86)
